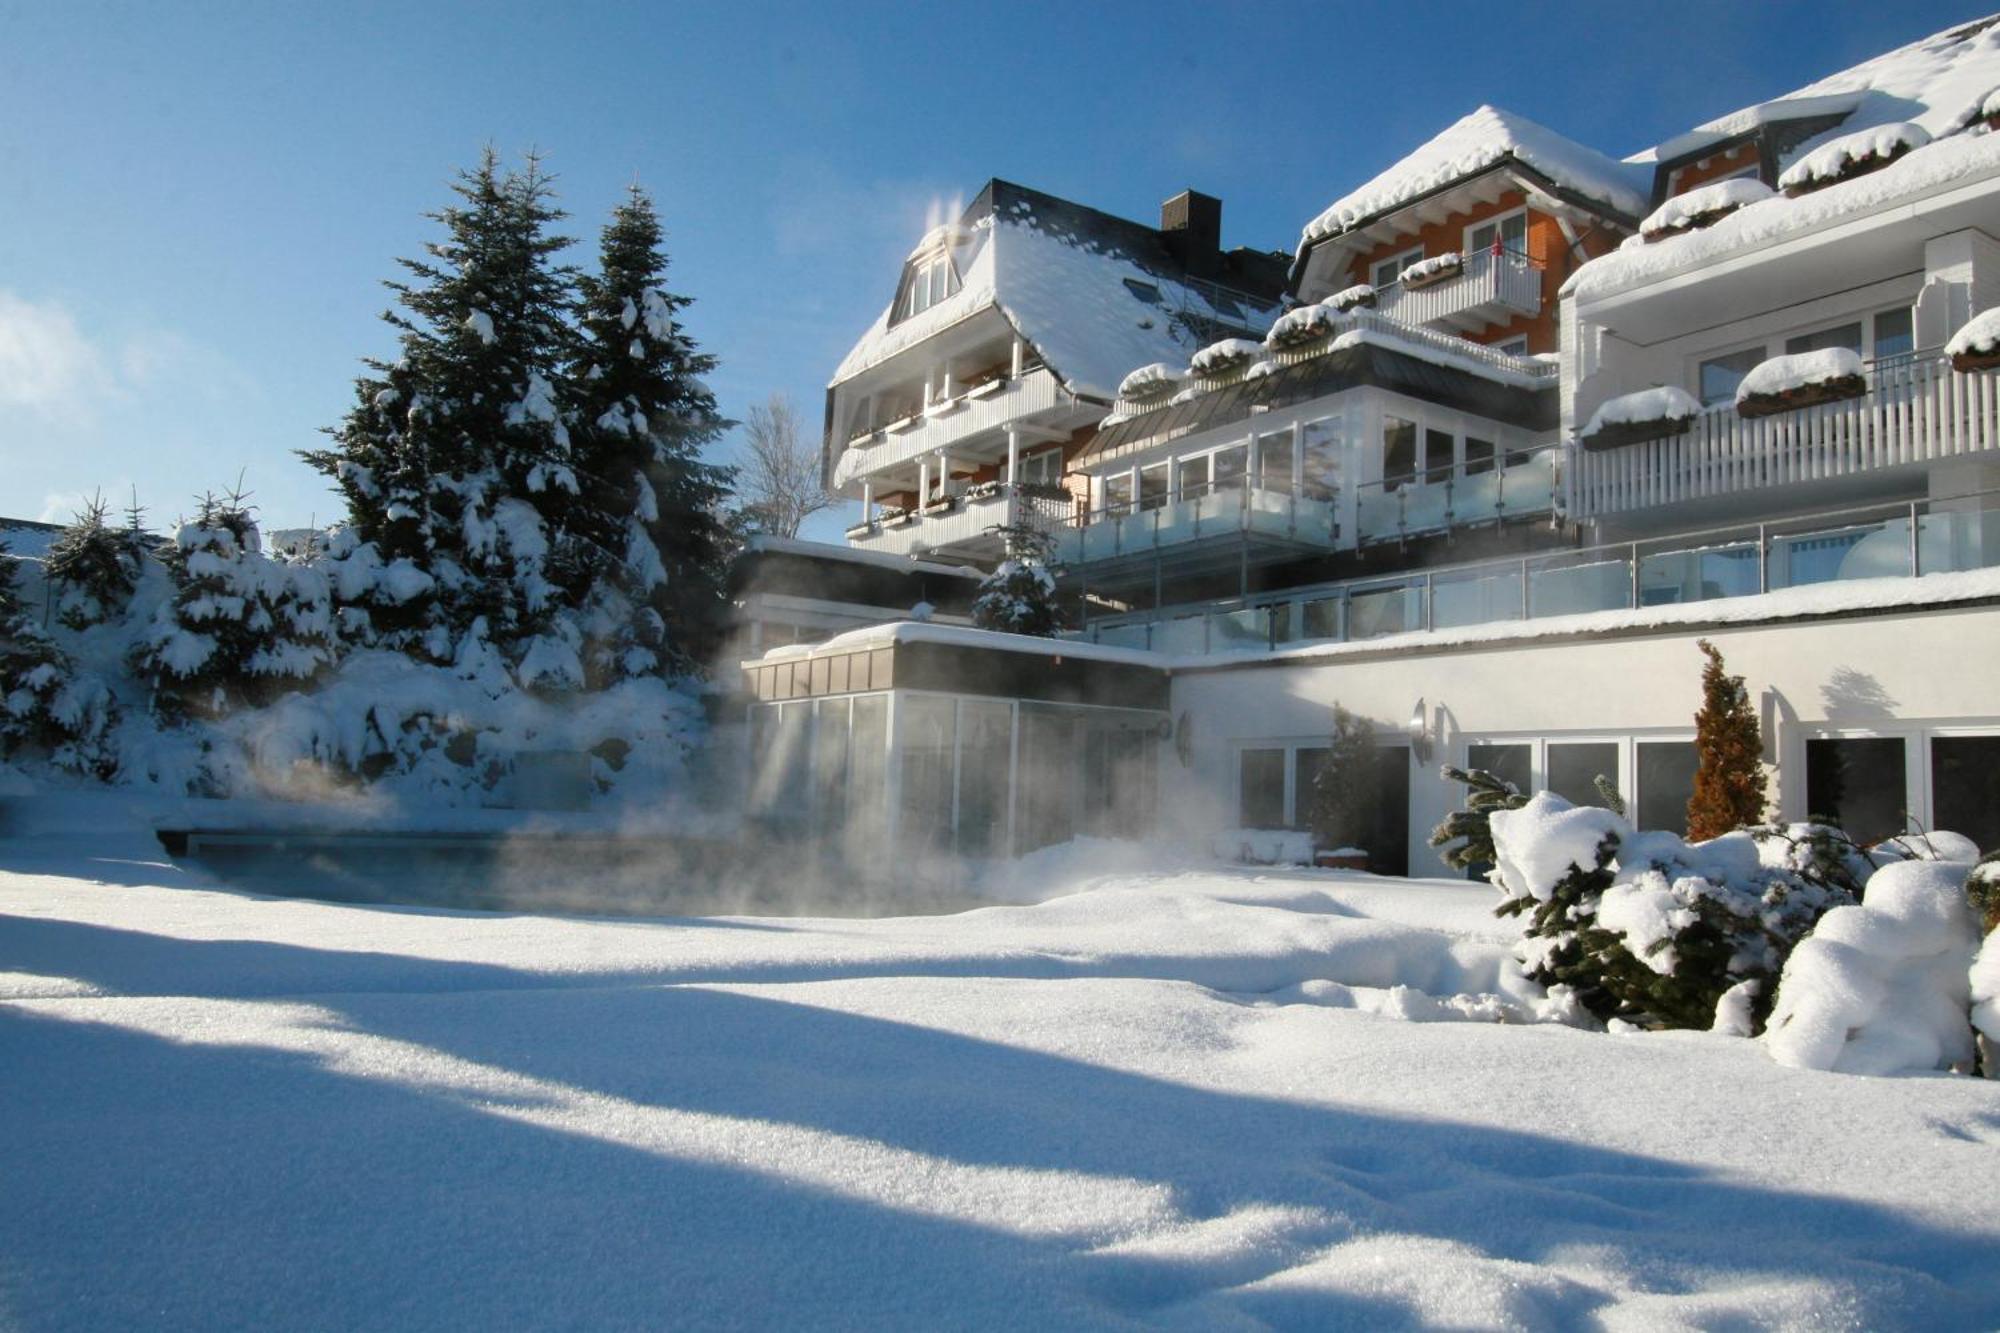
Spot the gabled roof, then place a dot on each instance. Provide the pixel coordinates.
(1474, 144)
(1931, 81)
(1094, 294)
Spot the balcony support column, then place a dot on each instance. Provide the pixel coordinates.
(1013, 455)
(868, 500)
(923, 482)
(1018, 357)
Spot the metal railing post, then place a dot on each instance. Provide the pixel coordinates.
(1763, 559)
(1915, 568)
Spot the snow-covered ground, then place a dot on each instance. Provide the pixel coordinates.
(1188, 1099)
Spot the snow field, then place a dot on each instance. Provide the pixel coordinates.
(1175, 1100)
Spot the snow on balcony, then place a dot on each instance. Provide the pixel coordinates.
(944, 425)
(1492, 290)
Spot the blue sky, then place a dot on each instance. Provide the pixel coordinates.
(201, 200)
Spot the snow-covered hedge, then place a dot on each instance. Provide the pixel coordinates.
(1703, 205)
(1302, 327)
(1977, 345)
(1882, 987)
(1151, 383)
(1222, 358)
(1852, 155)
(1784, 383)
(1435, 269)
(1647, 414)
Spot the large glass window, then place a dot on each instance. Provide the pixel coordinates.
(1859, 784)
(1045, 802)
(1193, 477)
(1574, 767)
(985, 760)
(867, 768)
(926, 283)
(1320, 618)
(1965, 787)
(1307, 761)
(1118, 493)
(1819, 340)
(1437, 456)
(1261, 789)
(1478, 456)
(1719, 375)
(1666, 783)
(1512, 232)
(1042, 469)
(1153, 486)
(1510, 761)
(1895, 336)
(929, 727)
(1321, 455)
(1274, 462)
(1399, 452)
(1228, 468)
(830, 779)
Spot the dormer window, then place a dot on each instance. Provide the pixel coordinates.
(926, 282)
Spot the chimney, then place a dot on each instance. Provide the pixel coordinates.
(1192, 225)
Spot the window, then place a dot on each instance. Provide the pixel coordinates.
(1321, 449)
(1261, 793)
(1666, 783)
(1192, 477)
(1274, 462)
(1229, 467)
(1859, 784)
(1965, 787)
(1719, 376)
(925, 283)
(1307, 761)
(1511, 761)
(1386, 271)
(1894, 334)
(1840, 335)
(1513, 346)
(1399, 452)
(1437, 456)
(1153, 486)
(1042, 469)
(1118, 492)
(1574, 767)
(1511, 231)
(1478, 456)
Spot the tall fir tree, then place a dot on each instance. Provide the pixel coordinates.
(1729, 768)
(47, 707)
(651, 545)
(1019, 596)
(1347, 787)
(92, 567)
(455, 459)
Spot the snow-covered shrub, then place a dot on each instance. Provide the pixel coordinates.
(1852, 155)
(241, 628)
(1703, 205)
(1346, 788)
(1153, 383)
(1800, 380)
(1644, 415)
(1652, 929)
(1019, 597)
(1882, 986)
(1219, 359)
(1303, 327)
(90, 568)
(1977, 345)
(1464, 838)
(48, 708)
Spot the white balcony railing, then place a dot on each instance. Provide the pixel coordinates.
(1491, 290)
(944, 424)
(1914, 412)
(1281, 515)
(964, 525)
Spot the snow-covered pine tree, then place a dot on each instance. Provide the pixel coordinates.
(46, 707)
(242, 628)
(1471, 829)
(1019, 596)
(1346, 789)
(647, 526)
(456, 456)
(91, 567)
(1729, 769)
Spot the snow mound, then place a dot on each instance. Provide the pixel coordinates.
(1838, 158)
(1471, 145)
(1979, 337)
(1219, 358)
(1783, 374)
(1664, 402)
(1882, 987)
(1539, 843)
(1702, 205)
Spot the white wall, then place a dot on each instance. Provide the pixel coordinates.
(1884, 674)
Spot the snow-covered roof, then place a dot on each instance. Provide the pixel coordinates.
(1473, 144)
(1931, 81)
(1095, 295)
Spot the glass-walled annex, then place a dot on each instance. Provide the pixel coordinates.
(902, 774)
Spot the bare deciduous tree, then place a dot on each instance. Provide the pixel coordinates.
(780, 479)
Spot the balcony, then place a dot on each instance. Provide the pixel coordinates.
(1492, 289)
(943, 425)
(965, 526)
(1283, 518)
(1915, 412)
(1448, 499)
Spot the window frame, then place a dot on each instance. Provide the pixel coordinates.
(1396, 264)
(1468, 249)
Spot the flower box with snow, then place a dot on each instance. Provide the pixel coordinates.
(944, 504)
(1976, 347)
(1341, 858)
(1304, 327)
(1852, 155)
(861, 530)
(1044, 490)
(896, 517)
(866, 435)
(944, 407)
(1151, 385)
(1429, 272)
(1702, 207)
(1787, 383)
(987, 388)
(1634, 418)
(1221, 359)
(902, 424)
(1361, 296)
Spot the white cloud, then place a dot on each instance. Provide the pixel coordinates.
(47, 366)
